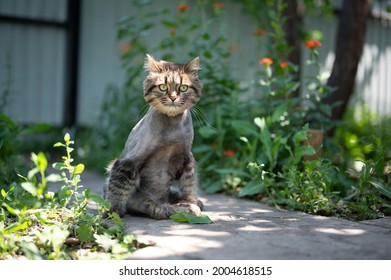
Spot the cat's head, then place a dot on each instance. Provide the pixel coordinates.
(171, 88)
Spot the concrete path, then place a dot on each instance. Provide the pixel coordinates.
(244, 229)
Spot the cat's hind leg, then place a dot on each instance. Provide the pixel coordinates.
(158, 209)
(121, 184)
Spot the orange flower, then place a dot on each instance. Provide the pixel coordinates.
(266, 61)
(229, 153)
(312, 44)
(259, 32)
(183, 8)
(218, 5)
(124, 47)
(234, 48)
(171, 31)
(283, 64)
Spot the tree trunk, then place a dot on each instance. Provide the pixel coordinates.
(348, 50)
(294, 16)
(292, 29)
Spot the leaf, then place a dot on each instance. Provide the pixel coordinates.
(53, 178)
(29, 187)
(55, 235)
(79, 169)
(32, 173)
(214, 187)
(67, 137)
(231, 171)
(42, 162)
(259, 122)
(244, 127)
(98, 199)
(84, 233)
(278, 112)
(11, 210)
(58, 144)
(208, 54)
(169, 24)
(37, 128)
(191, 219)
(383, 189)
(206, 36)
(303, 151)
(3, 193)
(206, 132)
(252, 188)
(301, 135)
(117, 219)
(31, 251)
(266, 139)
(58, 165)
(17, 226)
(105, 241)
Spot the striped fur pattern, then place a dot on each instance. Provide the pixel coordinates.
(155, 174)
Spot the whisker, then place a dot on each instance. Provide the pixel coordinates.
(201, 118)
(141, 113)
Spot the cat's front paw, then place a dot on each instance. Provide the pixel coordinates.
(121, 211)
(188, 208)
(191, 200)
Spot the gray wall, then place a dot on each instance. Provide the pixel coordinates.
(37, 58)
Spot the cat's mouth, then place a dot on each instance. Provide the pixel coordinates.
(170, 109)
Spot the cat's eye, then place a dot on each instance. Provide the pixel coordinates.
(183, 88)
(163, 87)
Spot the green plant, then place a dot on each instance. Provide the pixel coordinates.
(39, 224)
(5, 93)
(366, 156)
(249, 140)
(278, 175)
(11, 162)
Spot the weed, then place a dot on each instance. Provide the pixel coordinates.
(36, 223)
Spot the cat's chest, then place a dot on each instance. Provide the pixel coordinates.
(169, 132)
(158, 135)
(175, 135)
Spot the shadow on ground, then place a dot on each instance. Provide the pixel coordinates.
(244, 229)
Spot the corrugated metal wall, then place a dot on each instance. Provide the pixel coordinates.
(374, 75)
(37, 58)
(373, 84)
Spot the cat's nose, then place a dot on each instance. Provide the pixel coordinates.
(173, 96)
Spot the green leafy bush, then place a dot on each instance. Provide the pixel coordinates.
(36, 223)
(365, 142)
(251, 137)
(11, 162)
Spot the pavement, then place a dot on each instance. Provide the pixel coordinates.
(243, 229)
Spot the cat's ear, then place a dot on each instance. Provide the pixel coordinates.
(151, 64)
(193, 66)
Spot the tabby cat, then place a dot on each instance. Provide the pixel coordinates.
(157, 152)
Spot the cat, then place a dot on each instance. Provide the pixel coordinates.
(157, 152)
